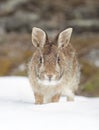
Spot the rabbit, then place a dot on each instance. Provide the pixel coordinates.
(53, 69)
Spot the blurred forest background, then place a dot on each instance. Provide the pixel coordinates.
(17, 17)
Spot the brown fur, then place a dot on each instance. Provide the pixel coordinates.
(55, 98)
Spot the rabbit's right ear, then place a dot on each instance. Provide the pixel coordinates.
(38, 37)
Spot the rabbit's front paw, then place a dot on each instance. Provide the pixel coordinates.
(38, 98)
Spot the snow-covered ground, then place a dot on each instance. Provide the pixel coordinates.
(18, 111)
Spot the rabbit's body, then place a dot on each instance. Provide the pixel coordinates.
(53, 69)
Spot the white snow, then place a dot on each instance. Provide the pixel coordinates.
(18, 111)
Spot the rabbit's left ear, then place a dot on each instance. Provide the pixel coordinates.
(64, 37)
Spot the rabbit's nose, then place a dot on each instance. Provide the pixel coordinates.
(49, 77)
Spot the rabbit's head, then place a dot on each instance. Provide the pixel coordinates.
(48, 59)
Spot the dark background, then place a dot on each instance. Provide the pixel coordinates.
(17, 17)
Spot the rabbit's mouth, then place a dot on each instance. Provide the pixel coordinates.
(46, 82)
(49, 82)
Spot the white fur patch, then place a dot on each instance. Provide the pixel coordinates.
(48, 83)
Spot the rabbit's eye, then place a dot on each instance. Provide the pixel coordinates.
(40, 59)
(58, 59)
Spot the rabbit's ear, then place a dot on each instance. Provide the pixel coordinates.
(38, 37)
(64, 37)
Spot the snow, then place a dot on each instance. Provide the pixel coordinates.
(18, 111)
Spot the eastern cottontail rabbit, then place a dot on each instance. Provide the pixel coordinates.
(53, 69)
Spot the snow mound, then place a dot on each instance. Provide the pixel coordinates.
(18, 111)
